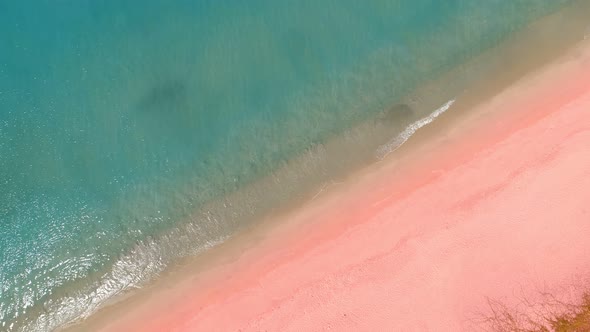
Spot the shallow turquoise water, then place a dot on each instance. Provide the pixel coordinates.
(120, 119)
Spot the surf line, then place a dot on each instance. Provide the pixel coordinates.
(395, 143)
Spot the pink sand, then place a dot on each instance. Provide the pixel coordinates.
(499, 208)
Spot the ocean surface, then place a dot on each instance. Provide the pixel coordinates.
(135, 133)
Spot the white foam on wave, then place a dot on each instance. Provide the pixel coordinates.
(410, 130)
(134, 270)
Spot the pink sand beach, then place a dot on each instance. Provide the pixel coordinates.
(493, 207)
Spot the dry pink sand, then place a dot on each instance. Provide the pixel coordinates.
(499, 209)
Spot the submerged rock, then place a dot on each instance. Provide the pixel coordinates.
(398, 114)
(166, 96)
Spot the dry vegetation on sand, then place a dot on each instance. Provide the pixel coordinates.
(548, 315)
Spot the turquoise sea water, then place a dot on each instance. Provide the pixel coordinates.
(126, 125)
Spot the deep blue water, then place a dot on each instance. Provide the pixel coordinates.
(120, 119)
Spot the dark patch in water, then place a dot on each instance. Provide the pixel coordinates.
(398, 114)
(166, 96)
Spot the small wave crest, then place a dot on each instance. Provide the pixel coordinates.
(146, 261)
(410, 130)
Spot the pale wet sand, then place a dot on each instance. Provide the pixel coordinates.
(495, 207)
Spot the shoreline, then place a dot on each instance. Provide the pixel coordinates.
(299, 242)
(211, 267)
